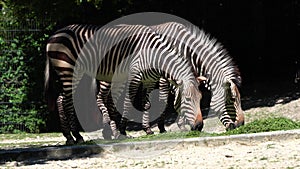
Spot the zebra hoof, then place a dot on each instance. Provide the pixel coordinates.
(70, 142)
(123, 132)
(106, 136)
(148, 131)
(121, 137)
(162, 131)
(79, 141)
(107, 133)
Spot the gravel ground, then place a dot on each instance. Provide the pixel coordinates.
(267, 154)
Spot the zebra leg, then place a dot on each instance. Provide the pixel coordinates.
(167, 98)
(115, 117)
(102, 102)
(161, 123)
(124, 119)
(70, 109)
(146, 117)
(162, 118)
(130, 96)
(146, 123)
(65, 127)
(74, 125)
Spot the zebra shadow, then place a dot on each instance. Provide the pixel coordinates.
(40, 155)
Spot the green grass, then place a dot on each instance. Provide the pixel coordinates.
(262, 125)
(257, 126)
(24, 135)
(162, 136)
(265, 125)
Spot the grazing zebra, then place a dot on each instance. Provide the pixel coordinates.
(209, 59)
(110, 112)
(130, 52)
(111, 116)
(167, 94)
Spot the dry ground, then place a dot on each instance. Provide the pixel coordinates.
(269, 154)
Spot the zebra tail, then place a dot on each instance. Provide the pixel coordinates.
(49, 95)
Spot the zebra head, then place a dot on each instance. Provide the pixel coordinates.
(233, 105)
(190, 106)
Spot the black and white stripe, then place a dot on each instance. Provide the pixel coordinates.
(209, 59)
(134, 53)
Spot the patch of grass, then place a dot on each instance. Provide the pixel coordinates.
(162, 136)
(262, 125)
(265, 125)
(29, 144)
(171, 135)
(24, 135)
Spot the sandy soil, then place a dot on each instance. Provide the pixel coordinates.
(269, 154)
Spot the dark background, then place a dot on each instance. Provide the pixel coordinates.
(261, 36)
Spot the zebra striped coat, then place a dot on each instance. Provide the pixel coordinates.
(233, 116)
(123, 50)
(209, 59)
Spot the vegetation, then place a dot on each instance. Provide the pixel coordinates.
(263, 125)
(20, 52)
(22, 56)
(257, 126)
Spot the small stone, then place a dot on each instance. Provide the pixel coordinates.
(74, 165)
(228, 156)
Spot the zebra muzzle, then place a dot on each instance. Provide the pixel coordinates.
(198, 125)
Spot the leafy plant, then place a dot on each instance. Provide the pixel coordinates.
(21, 77)
(14, 87)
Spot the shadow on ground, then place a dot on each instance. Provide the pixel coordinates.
(40, 155)
(268, 94)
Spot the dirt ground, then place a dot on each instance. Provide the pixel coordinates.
(268, 154)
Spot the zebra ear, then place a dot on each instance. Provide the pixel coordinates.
(175, 83)
(201, 78)
(179, 82)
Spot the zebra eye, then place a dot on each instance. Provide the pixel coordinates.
(188, 99)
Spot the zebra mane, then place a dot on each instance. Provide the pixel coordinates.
(216, 65)
(219, 54)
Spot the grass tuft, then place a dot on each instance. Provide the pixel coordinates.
(265, 125)
(261, 125)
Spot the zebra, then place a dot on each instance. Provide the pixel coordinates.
(230, 112)
(210, 60)
(167, 94)
(86, 49)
